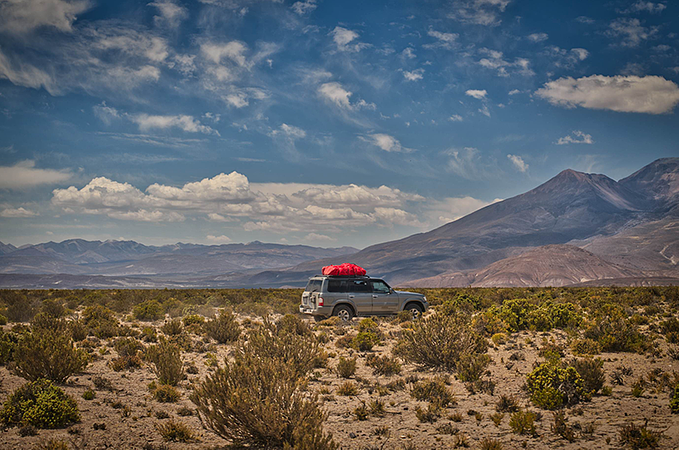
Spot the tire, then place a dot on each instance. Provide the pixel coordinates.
(343, 312)
(415, 309)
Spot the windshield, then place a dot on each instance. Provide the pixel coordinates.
(314, 286)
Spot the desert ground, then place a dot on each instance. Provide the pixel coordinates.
(629, 336)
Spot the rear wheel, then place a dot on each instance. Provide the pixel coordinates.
(415, 309)
(343, 312)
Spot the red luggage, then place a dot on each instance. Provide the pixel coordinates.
(344, 269)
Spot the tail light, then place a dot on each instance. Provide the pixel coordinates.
(320, 301)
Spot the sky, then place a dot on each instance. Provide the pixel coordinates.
(320, 122)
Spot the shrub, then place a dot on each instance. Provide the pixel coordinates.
(223, 328)
(507, 403)
(638, 437)
(100, 321)
(8, 344)
(471, 367)
(523, 422)
(129, 351)
(89, 394)
(3, 320)
(383, 365)
(40, 404)
(176, 431)
(167, 361)
(193, 320)
(52, 307)
(78, 330)
(290, 323)
(165, 393)
(148, 310)
(361, 412)
(585, 347)
(497, 418)
(592, 373)
(490, 444)
(346, 368)
(347, 389)
(434, 391)
(617, 336)
(260, 400)
(48, 354)
(674, 400)
(551, 386)
(440, 342)
(561, 427)
(430, 414)
(173, 327)
(364, 341)
(52, 444)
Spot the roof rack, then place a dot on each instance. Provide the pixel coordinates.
(342, 276)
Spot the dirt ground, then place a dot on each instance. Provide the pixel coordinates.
(128, 411)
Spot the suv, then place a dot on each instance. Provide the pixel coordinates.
(349, 296)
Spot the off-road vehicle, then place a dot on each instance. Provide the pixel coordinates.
(350, 296)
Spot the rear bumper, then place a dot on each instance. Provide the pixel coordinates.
(325, 311)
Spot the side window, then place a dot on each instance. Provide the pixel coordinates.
(313, 286)
(337, 286)
(360, 286)
(380, 287)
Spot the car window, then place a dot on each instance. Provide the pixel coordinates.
(360, 286)
(380, 287)
(314, 286)
(337, 285)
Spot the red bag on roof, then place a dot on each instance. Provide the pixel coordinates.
(344, 269)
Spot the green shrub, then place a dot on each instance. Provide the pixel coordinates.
(77, 329)
(507, 403)
(3, 320)
(618, 336)
(48, 353)
(346, 368)
(290, 323)
(433, 391)
(148, 310)
(174, 431)
(552, 386)
(592, 373)
(585, 347)
(224, 328)
(383, 365)
(167, 361)
(490, 444)
(523, 422)
(100, 321)
(561, 427)
(347, 389)
(130, 352)
(52, 307)
(364, 341)
(89, 394)
(193, 319)
(8, 344)
(40, 404)
(165, 393)
(172, 327)
(674, 400)
(440, 342)
(638, 437)
(361, 412)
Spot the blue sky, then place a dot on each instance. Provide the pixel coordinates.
(321, 122)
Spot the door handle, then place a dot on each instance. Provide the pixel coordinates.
(351, 296)
(374, 296)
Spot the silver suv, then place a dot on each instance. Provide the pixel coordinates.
(349, 296)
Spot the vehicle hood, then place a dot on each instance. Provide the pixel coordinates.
(408, 293)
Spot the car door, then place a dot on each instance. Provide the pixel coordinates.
(360, 293)
(384, 300)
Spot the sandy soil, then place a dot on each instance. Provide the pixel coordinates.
(129, 412)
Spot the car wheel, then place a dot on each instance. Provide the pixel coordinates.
(416, 310)
(344, 312)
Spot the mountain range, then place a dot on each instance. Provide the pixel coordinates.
(575, 228)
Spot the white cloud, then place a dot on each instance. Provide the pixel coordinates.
(214, 217)
(23, 16)
(447, 41)
(24, 175)
(495, 61)
(386, 143)
(630, 31)
(233, 51)
(580, 53)
(586, 20)
(453, 208)
(455, 118)
(218, 239)
(518, 162)
(319, 237)
(648, 94)
(289, 131)
(538, 37)
(171, 14)
(335, 94)
(514, 92)
(304, 7)
(644, 6)
(414, 75)
(484, 110)
(106, 113)
(408, 53)
(477, 93)
(17, 213)
(465, 163)
(576, 137)
(480, 12)
(346, 40)
(186, 123)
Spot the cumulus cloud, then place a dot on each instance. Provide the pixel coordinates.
(24, 175)
(630, 31)
(538, 37)
(386, 142)
(518, 162)
(576, 137)
(304, 7)
(148, 122)
(447, 41)
(644, 6)
(480, 12)
(23, 16)
(347, 40)
(648, 94)
(335, 94)
(495, 60)
(171, 14)
(414, 75)
(477, 93)
(17, 213)
(222, 239)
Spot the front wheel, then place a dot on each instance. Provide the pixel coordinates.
(416, 310)
(344, 313)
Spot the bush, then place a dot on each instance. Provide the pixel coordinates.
(165, 393)
(433, 391)
(490, 444)
(617, 336)
(40, 404)
(523, 422)
(78, 330)
(52, 444)
(167, 361)
(148, 310)
(193, 319)
(561, 427)
(346, 368)
(48, 354)
(429, 415)
(100, 321)
(176, 431)
(585, 347)
(129, 351)
(383, 365)
(89, 394)
(173, 327)
(364, 341)
(674, 400)
(592, 373)
(507, 403)
(260, 400)
(440, 342)
(224, 328)
(552, 386)
(347, 389)
(3, 320)
(8, 344)
(639, 437)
